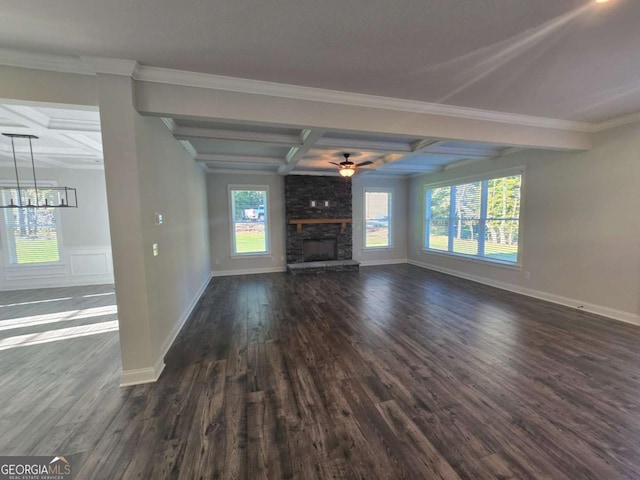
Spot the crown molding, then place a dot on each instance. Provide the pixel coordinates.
(617, 122)
(297, 92)
(170, 123)
(111, 66)
(186, 144)
(39, 61)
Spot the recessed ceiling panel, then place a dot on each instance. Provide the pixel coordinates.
(320, 158)
(241, 167)
(236, 127)
(226, 147)
(373, 137)
(472, 146)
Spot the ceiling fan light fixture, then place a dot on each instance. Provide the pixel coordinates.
(347, 170)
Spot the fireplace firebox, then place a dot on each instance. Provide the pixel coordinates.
(320, 249)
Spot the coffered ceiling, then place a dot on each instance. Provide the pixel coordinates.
(225, 146)
(67, 138)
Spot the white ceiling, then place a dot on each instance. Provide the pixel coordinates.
(564, 59)
(558, 59)
(67, 138)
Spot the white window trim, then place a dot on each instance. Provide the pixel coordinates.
(6, 260)
(505, 172)
(232, 230)
(391, 192)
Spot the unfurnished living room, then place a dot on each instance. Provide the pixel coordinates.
(367, 239)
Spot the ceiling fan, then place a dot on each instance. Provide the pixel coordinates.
(348, 168)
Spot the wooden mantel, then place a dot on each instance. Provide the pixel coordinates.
(308, 221)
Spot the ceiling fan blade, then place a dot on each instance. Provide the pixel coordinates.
(334, 163)
(362, 164)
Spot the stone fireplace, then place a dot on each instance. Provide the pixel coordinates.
(319, 230)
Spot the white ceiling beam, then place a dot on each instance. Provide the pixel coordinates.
(24, 151)
(414, 168)
(239, 159)
(420, 145)
(216, 169)
(333, 114)
(309, 138)
(277, 139)
(463, 152)
(22, 130)
(416, 149)
(74, 125)
(366, 145)
(86, 141)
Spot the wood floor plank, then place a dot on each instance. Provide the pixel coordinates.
(392, 372)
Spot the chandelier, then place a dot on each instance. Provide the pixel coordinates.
(32, 195)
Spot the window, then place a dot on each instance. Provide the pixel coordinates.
(476, 219)
(377, 207)
(31, 233)
(249, 220)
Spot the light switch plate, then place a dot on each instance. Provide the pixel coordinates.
(158, 218)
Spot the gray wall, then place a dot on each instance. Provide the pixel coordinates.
(580, 225)
(398, 252)
(172, 184)
(220, 230)
(222, 262)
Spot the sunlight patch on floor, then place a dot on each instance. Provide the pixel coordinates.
(56, 335)
(57, 317)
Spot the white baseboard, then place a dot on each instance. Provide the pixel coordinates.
(612, 313)
(139, 376)
(149, 375)
(185, 316)
(372, 263)
(247, 271)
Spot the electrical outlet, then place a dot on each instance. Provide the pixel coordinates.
(217, 261)
(155, 249)
(158, 218)
(527, 275)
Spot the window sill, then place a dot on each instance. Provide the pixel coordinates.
(240, 256)
(376, 249)
(482, 261)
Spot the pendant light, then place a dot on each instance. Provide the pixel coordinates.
(33, 195)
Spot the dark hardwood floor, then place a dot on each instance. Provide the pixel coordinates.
(393, 372)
